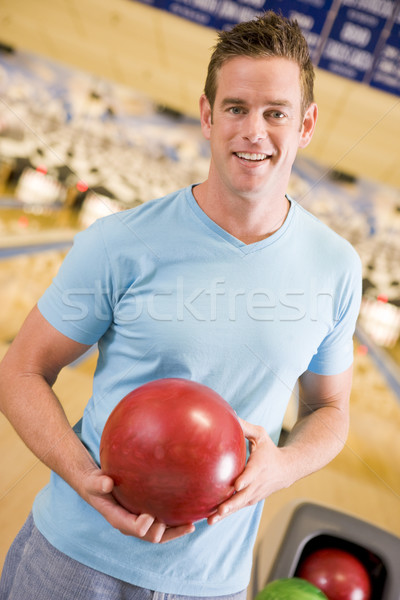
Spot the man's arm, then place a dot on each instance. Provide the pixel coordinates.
(318, 435)
(27, 374)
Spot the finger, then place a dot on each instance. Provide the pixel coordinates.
(120, 518)
(250, 430)
(236, 502)
(249, 474)
(142, 525)
(241, 482)
(155, 532)
(133, 525)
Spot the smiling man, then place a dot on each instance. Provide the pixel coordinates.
(230, 283)
(255, 125)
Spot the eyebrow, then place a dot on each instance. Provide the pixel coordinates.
(240, 101)
(227, 101)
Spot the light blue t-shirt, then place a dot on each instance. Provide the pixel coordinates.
(167, 293)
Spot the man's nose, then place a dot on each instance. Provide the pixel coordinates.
(255, 128)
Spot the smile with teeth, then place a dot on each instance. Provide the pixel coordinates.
(251, 156)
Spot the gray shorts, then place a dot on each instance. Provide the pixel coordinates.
(35, 570)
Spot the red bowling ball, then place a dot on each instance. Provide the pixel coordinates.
(174, 449)
(339, 574)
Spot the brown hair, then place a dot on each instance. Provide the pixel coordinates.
(266, 36)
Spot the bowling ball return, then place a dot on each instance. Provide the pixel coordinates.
(312, 527)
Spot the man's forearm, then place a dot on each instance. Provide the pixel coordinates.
(314, 441)
(36, 414)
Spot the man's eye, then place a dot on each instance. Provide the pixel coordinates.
(277, 114)
(235, 110)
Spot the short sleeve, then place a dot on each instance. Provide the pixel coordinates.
(78, 303)
(336, 352)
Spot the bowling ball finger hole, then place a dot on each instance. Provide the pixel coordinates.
(372, 564)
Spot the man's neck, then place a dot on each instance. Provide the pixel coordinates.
(248, 221)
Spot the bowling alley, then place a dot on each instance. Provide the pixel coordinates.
(100, 114)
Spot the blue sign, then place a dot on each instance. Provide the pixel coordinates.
(312, 17)
(350, 47)
(386, 74)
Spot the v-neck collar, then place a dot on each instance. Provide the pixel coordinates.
(231, 239)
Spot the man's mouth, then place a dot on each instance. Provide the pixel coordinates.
(254, 157)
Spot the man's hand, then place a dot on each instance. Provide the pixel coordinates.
(317, 437)
(97, 492)
(262, 475)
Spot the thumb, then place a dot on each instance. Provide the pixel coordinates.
(107, 484)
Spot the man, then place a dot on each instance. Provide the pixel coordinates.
(229, 283)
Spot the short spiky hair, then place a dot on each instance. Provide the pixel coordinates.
(266, 36)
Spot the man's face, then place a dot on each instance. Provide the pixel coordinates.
(256, 126)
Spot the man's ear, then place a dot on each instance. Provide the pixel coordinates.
(205, 116)
(308, 125)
